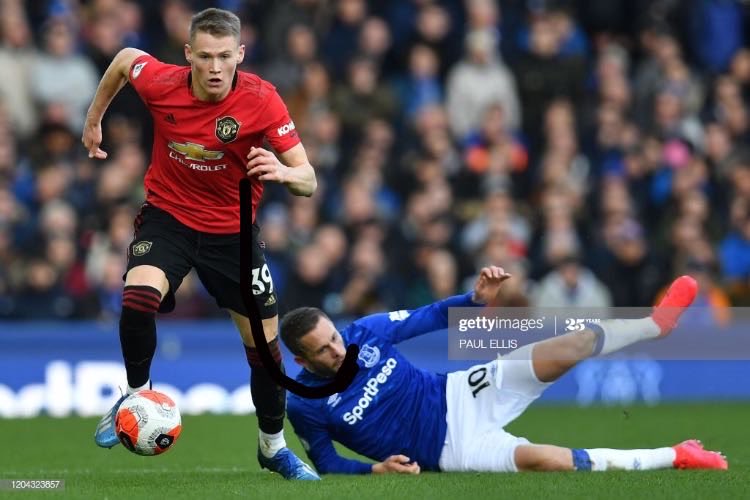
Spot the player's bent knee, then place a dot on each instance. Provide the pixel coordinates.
(242, 322)
(148, 276)
(543, 458)
(582, 344)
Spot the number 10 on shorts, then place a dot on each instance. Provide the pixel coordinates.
(262, 282)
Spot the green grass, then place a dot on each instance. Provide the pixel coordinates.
(215, 458)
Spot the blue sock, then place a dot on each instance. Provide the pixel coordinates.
(599, 331)
(581, 459)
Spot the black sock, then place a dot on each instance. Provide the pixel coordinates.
(138, 331)
(269, 398)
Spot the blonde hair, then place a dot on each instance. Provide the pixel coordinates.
(217, 22)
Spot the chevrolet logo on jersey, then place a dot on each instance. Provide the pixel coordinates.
(193, 151)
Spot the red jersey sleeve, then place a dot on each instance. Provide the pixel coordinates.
(142, 74)
(279, 131)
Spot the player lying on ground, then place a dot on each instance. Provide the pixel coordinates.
(409, 419)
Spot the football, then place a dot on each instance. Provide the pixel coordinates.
(148, 423)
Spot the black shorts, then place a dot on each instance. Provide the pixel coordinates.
(162, 241)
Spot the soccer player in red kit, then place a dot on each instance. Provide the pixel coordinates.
(210, 121)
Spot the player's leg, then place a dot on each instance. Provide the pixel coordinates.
(484, 399)
(219, 270)
(270, 403)
(553, 357)
(145, 285)
(156, 266)
(686, 455)
(144, 288)
(269, 398)
(512, 383)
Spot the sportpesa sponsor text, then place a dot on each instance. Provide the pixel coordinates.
(370, 389)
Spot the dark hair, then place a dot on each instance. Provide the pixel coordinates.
(296, 324)
(216, 22)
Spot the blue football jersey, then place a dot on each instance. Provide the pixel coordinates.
(390, 408)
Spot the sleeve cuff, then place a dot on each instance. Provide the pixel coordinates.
(461, 301)
(364, 468)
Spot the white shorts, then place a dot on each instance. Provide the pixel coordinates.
(481, 402)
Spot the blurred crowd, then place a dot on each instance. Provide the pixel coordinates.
(595, 150)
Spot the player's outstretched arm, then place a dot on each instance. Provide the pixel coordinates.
(398, 464)
(113, 80)
(398, 326)
(294, 169)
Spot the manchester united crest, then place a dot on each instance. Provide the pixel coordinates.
(227, 128)
(141, 248)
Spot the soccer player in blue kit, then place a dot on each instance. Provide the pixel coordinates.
(409, 420)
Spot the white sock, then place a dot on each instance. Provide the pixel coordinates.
(133, 390)
(270, 444)
(619, 333)
(607, 459)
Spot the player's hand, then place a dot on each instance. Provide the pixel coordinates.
(266, 166)
(488, 284)
(92, 138)
(398, 464)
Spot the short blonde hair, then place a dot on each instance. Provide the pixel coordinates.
(217, 22)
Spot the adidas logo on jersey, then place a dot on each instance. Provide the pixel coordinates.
(370, 389)
(171, 119)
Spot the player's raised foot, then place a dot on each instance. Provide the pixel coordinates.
(691, 455)
(679, 296)
(289, 465)
(105, 435)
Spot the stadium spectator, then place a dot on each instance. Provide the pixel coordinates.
(375, 43)
(308, 279)
(435, 28)
(18, 56)
(340, 42)
(312, 95)
(477, 81)
(362, 97)
(735, 255)
(625, 262)
(62, 82)
(422, 86)
(570, 285)
(493, 153)
(716, 33)
(175, 16)
(286, 71)
(364, 290)
(545, 72)
(438, 276)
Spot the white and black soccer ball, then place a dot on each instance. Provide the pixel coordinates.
(148, 423)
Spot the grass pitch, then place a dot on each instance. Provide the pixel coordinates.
(215, 458)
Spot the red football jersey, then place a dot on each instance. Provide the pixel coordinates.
(200, 148)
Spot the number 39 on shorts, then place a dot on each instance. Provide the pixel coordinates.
(262, 282)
